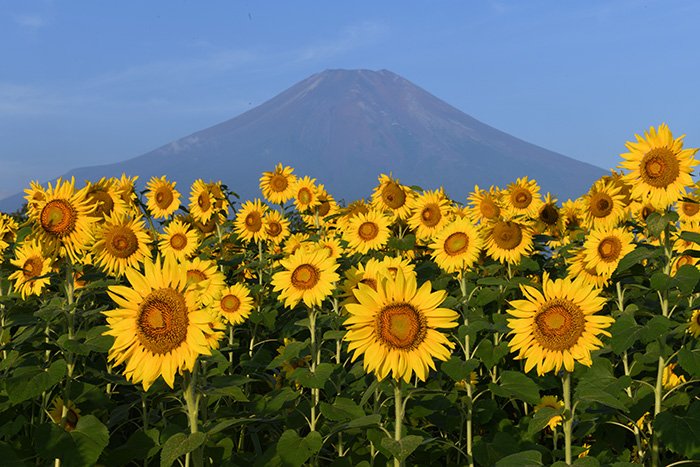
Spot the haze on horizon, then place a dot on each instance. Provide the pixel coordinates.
(86, 83)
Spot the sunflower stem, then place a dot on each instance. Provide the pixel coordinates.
(192, 397)
(467, 356)
(569, 420)
(398, 417)
(315, 357)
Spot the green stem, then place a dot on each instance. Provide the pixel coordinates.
(467, 356)
(398, 417)
(192, 397)
(315, 357)
(569, 420)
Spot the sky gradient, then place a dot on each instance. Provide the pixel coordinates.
(91, 82)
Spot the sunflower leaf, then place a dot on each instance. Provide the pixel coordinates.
(625, 332)
(541, 418)
(517, 385)
(690, 361)
(295, 450)
(403, 448)
(458, 369)
(680, 434)
(91, 437)
(490, 355)
(521, 459)
(178, 445)
(636, 256)
(691, 237)
(316, 379)
(21, 388)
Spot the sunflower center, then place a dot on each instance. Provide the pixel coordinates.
(253, 222)
(393, 196)
(164, 197)
(521, 198)
(549, 214)
(195, 276)
(278, 182)
(368, 231)
(690, 209)
(400, 326)
(58, 217)
(601, 205)
(207, 227)
(431, 215)
(178, 241)
(659, 167)
(103, 201)
(305, 196)
(609, 249)
(162, 321)
(203, 201)
(559, 325)
(305, 277)
(324, 208)
(507, 235)
(32, 267)
(456, 243)
(489, 209)
(273, 229)
(646, 211)
(121, 242)
(230, 304)
(370, 282)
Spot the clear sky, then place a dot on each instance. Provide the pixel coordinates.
(92, 82)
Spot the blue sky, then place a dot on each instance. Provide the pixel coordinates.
(92, 82)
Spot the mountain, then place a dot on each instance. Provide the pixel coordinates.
(345, 127)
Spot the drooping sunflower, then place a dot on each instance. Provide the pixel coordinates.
(578, 267)
(122, 243)
(159, 327)
(178, 240)
(603, 206)
(522, 198)
(34, 267)
(62, 222)
(234, 303)
(126, 187)
(332, 246)
(430, 212)
(396, 327)
(457, 246)
(549, 220)
(162, 199)
(508, 240)
(72, 414)
(485, 206)
(305, 194)
(249, 221)
(553, 403)
(660, 169)
(694, 324)
(391, 196)
(278, 186)
(204, 276)
(35, 196)
(557, 326)
(308, 276)
(275, 226)
(351, 210)
(105, 198)
(367, 232)
(207, 200)
(324, 213)
(605, 248)
(670, 379)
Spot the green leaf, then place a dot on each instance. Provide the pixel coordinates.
(402, 449)
(586, 461)
(521, 459)
(294, 450)
(458, 369)
(404, 244)
(680, 434)
(490, 355)
(691, 236)
(599, 385)
(660, 281)
(690, 361)
(178, 445)
(140, 445)
(9, 457)
(636, 256)
(541, 418)
(362, 422)
(342, 409)
(625, 332)
(656, 328)
(234, 392)
(686, 278)
(518, 385)
(91, 437)
(20, 389)
(333, 335)
(316, 379)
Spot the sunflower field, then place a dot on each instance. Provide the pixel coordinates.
(147, 328)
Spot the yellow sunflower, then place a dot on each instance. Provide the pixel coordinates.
(275, 227)
(578, 267)
(249, 221)
(8, 230)
(670, 379)
(178, 240)
(126, 187)
(294, 242)
(368, 273)
(159, 328)
(308, 276)
(605, 248)
(554, 403)
(457, 246)
(367, 232)
(72, 414)
(391, 196)
(396, 327)
(35, 196)
(660, 169)
(324, 213)
(485, 206)
(549, 220)
(34, 267)
(278, 186)
(351, 210)
(204, 276)
(522, 198)
(207, 200)
(305, 194)
(694, 324)
(162, 199)
(508, 240)
(123, 243)
(557, 326)
(332, 246)
(234, 303)
(62, 222)
(105, 198)
(688, 212)
(430, 212)
(603, 206)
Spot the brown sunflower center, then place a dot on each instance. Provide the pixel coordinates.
(430, 215)
(659, 167)
(58, 217)
(203, 201)
(521, 197)
(393, 195)
(507, 235)
(195, 276)
(601, 204)
(103, 202)
(253, 221)
(456, 243)
(278, 183)
(305, 277)
(401, 326)
(690, 209)
(230, 304)
(208, 226)
(32, 267)
(559, 325)
(305, 196)
(121, 242)
(273, 228)
(370, 282)
(368, 231)
(178, 241)
(324, 208)
(164, 197)
(161, 325)
(549, 214)
(489, 209)
(609, 249)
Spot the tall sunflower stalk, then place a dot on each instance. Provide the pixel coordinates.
(467, 356)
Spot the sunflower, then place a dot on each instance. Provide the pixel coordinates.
(159, 328)
(669, 379)
(305, 194)
(162, 199)
(126, 187)
(549, 219)
(371, 272)
(275, 226)
(603, 206)
(308, 276)
(660, 169)
(359, 206)
(485, 206)
(694, 324)
(105, 198)
(204, 277)
(605, 248)
(295, 242)
(36, 197)
(391, 196)
(688, 212)
(395, 327)
(62, 222)
(325, 212)
(457, 246)
(8, 229)
(34, 267)
(332, 246)
(123, 243)
(207, 200)
(554, 403)
(557, 326)
(508, 240)
(430, 212)
(578, 267)
(522, 198)
(178, 240)
(72, 414)
(278, 186)
(367, 232)
(234, 303)
(249, 221)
